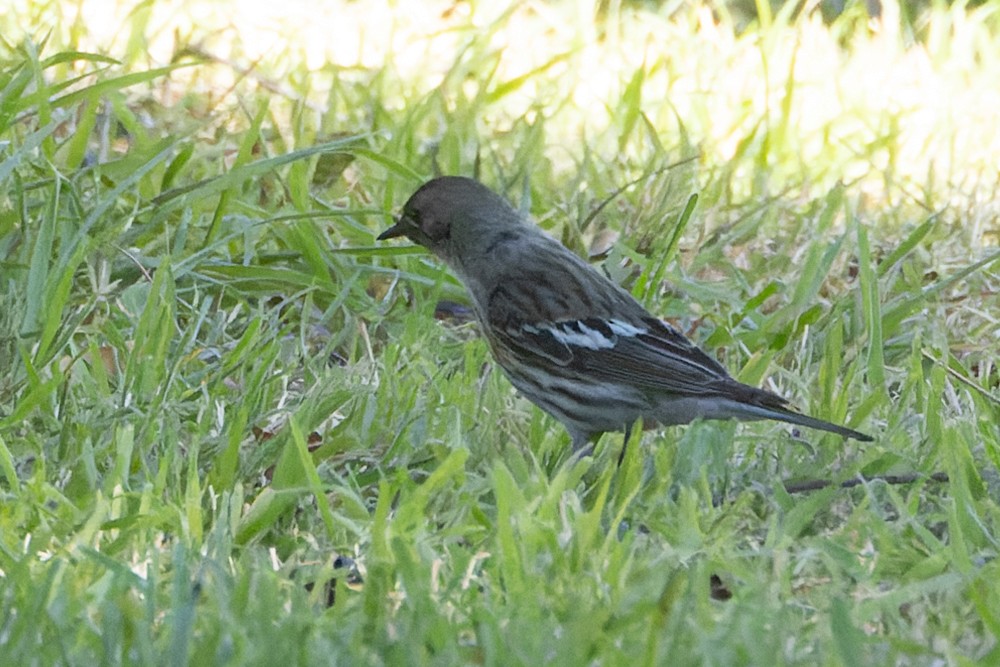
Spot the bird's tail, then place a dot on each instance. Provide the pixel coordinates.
(750, 411)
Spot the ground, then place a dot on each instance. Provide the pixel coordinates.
(234, 429)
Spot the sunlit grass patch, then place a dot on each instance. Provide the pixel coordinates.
(904, 112)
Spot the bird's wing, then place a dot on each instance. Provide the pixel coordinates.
(618, 342)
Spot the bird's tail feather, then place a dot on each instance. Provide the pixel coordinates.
(747, 411)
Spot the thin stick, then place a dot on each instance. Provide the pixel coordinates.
(817, 484)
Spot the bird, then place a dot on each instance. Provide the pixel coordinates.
(567, 337)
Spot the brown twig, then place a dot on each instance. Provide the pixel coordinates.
(817, 484)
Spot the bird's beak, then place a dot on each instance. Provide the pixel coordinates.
(399, 229)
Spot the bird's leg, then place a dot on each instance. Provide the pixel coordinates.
(581, 446)
(628, 435)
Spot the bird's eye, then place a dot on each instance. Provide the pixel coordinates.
(413, 217)
(434, 227)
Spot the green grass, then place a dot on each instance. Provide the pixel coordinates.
(233, 432)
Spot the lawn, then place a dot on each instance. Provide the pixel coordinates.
(237, 430)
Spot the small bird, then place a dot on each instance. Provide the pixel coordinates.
(573, 342)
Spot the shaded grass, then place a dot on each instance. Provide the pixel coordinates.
(215, 387)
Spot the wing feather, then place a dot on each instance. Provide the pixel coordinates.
(617, 340)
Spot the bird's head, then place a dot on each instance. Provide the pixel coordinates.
(456, 218)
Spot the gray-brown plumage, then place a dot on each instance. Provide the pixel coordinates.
(573, 342)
